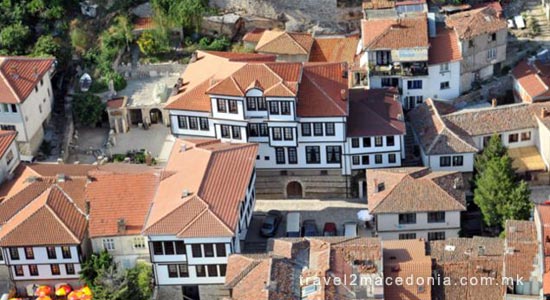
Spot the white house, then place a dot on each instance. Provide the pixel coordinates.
(9, 156)
(411, 203)
(201, 211)
(26, 99)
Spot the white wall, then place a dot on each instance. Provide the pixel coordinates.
(433, 161)
(505, 136)
(190, 132)
(124, 252)
(389, 223)
(43, 263)
(436, 77)
(544, 142)
(420, 234)
(6, 168)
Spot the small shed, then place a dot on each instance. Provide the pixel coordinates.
(228, 25)
(118, 114)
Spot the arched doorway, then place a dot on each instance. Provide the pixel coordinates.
(156, 116)
(294, 190)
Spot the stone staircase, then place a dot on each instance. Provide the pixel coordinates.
(534, 9)
(410, 159)
(316, 184)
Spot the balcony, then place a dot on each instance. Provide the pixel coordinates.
(397, 69)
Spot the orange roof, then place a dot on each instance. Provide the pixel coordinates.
(534, 78)
(203, 196)
(6, 139)
(254, 35)
(395, 33)
(120, 196)
(444, 47)
(334, 49)
(19, 76)
(471, 23)
(117, 102)
(521, 236)
(146, 23)
(286, 43)
(320, 93)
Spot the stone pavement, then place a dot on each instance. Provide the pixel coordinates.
(540, 194)
(156, 139)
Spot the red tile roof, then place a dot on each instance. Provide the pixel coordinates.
(254, 35)
(145, 23)
(395, 34)
(444, 47)
(6, 139)
(285, 43)
(19, 76)
(323, 91)
(334, 49)
(116, 102)
(534, 79)
(471, 23)
(214, 177)
(522, 244)
(375, 112)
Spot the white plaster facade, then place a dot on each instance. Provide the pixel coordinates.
(9, 161)
(126, 250)
(389, 227)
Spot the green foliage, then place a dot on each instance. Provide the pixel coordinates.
(184, 13)
(140, 287)
(118, 80)
(88, 109)
(79, 37)
(153, 42)
(217, 44)
(241, 48)
(46, 45)
(533, 26)
(14, 38)
(93, 265)
(498, 193)
(110, 284)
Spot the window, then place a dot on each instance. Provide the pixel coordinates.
(526, 136)
(251, 103)
(388, 82)
(182, 122)
(513, 138)
(355, 160)
(184, 270)
(313, 155)
(13, 108)
(434, 236)
(378, 141)
(139, 242)
(365, 159)
(193, 123)
(378, 159)
(333, 154)
(223, 268)
(458, 161)
(492, 53)
(51, 252)
(354, 143)
(280, 155)
(390, 140)
(317, 129)
(29, 253)
(9, 157)
(277, 134)
(212, 270)
(288, 134)
(169, 248)
(69, 269)
(329, 129)
(55, 269)
(220, 250)
(409, 218)
(33, 270)
(18, 270)
(109, 244)
(261, 103)
(233, 106)
(196, 250)
(407, 236)
(66, 252)
(36, 88)
(225, 131)
(414, 84)
(292, 155)
(40, 107)
(273, 108)
(285, 108)
(172, 271)
(157, 248)
(306, 129)
(236, 132)
(436, 217)
(222, 107)
(493, 37)
(180, 247)
(204, 123)
(14, 254)
(445, 161)
(208, 250)
(444, 85)
(253, 129)
(366, 142)
(263, 130)
(201, 270)
(444, 67)
(391, 158)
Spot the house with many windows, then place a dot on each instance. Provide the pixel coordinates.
(411, 203)
(9, 156)
(200, 212)
(26, 99)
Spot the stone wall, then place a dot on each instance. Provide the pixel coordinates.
(150, 70)
(321, 15)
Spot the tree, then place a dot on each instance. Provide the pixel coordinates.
(14, 37)
(46, 45)
(88, 109)
(111, 284)
(185, 13)
(94, 264)
(153, 42)
(493, 149)
(139, 282)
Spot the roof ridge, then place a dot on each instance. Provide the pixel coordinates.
(324, 93)
(431, 180)
(22, 222)
(69, 198)
(77, 240)
(5, 79)
(170, 212)
(194, 219)
(272, 71)
(244, 273)
(391, 190)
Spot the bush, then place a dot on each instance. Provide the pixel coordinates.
(153, 42)
(118, 80)
(88, 109)
(98, 86)
(218, 44)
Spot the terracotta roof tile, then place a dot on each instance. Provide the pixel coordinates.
(534, 78)
(334, 49)
(395, 34)
(471, 23)
(320, 92)
(521, 240)
(254, 35)
(414, 190)
(444, 47)
(19, 76)
(374, 112)
(6, 139)
(145, 23)
(286, 43)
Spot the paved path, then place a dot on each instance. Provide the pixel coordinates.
(157, 139)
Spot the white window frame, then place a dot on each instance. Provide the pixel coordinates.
(109, 244)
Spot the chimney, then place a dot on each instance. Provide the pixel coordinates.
(193, 57)
(494, 102)
(35, 72)
(543, 113)
(183, 147)
(344, 94)
(121, 224)
(481, 250)
(14, 73)
(400, 117)
(87, 207)
(60, 178)
(344, 69)
(185, 193)
(375, 182)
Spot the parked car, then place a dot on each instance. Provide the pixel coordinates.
(309, 228)
(329, 229)
(271, 223)
(350, 229)
(293, 224)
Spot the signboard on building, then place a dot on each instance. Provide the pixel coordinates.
(409, 55)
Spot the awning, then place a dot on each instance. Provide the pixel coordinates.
(526, 159)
